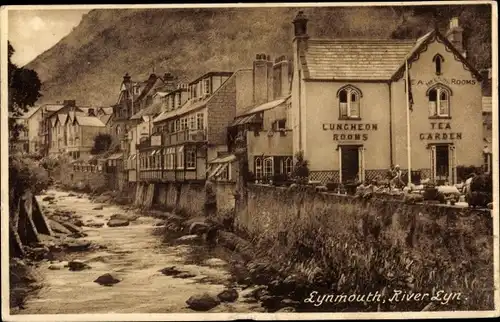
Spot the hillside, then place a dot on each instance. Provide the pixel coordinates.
(88, 64)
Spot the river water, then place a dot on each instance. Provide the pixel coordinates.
(134, 254)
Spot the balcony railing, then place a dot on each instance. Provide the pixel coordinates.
(185, 136)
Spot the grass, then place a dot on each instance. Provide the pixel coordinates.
(350, 248)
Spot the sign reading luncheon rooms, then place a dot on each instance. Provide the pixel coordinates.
(350, 127)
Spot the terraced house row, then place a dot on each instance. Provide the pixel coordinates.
(341, 102)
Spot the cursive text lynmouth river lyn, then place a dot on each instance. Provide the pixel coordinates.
(397, 296)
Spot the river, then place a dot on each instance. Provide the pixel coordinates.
(134, 254)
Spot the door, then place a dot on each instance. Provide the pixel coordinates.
(349, 163)
(442, 164)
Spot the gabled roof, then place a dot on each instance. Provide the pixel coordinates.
(62, 118)
(366, 59)
(106, 110)
(195, 104)
(421, 45)
(30, 112)
(152, 110)
(105, 118)
(88, 121)
(52, 107)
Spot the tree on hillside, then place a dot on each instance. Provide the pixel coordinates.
(24, 91)
(102, 143)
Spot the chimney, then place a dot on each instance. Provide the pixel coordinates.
(170, 81)
(70, 103)
(270, 89)
(300, 25)
(262, 77)
(455, 35)
(281, 73)
(126, 78)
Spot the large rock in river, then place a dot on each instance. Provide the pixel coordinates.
(77, 265)
(229, 295)
(58, 228)
(118, 223)
(129, 217)
(107, 280)
(202, 302)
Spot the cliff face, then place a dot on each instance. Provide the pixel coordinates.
(89, 63)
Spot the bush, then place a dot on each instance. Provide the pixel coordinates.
(26, 174)
(301, 167)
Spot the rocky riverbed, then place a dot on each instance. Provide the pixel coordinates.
(105, 258)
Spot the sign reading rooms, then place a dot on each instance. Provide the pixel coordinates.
(350, 127)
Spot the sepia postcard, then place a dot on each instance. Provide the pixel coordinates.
(264, 161)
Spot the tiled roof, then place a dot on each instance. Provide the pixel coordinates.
(53, 107)
(264, 107)
(89, 121)
(107, 110)
(225, 159)
(366, 59)
(151, 110)
(30, 112)
(105, 118)
(189, 106)
(354, 58)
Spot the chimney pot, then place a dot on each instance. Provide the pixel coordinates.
(300, 23)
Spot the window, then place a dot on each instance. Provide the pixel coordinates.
(194, 91)
(177, 125)
(438, 60)
(258, 168)
(439, 101)
(118, 130)
(199, 121)
(349, 106)
(191, 158)
(206, 86)
(268, 167)
(184, 123)
(225, 173)
(171, 158)
(192, 122)
(179, 102)
(180, 158)
(172, 102)
(279, 125)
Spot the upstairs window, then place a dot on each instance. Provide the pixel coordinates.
(192, 122)
(279, 125)
(206, 86)
(179, 102)
(438, 61)
(439, 101)
(199, 121)
(349, 102)
(172, 102)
